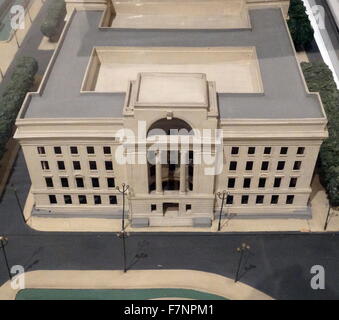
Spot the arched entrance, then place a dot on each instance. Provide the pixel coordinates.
(174, 126)
(175, 170)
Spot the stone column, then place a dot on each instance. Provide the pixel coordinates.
(158, 173)
(183, 166)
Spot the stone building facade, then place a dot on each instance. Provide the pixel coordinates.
(238, 92)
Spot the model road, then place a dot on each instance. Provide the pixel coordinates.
(278, 264)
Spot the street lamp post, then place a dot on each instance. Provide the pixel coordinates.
(242, 249)
(27, 7)
(327, 217)
(3, 243)
(221, 196)
(123, 190)
(123, 234)
(16, 39)
(18, 202)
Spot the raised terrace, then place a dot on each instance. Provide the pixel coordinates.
(196, 14)
(260, 83)
(233, 69)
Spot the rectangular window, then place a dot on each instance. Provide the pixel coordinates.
(247, 183)
(251, 150)
(113, 199)
(107, 150)
(110, 182)
(301, 150)
(259, 199)
(293, 182)
(153, 207)
(274, 199)
(289, 199)
(281, 165)
(57, 150)
(231, 182)
(90, 150)
(277, 182)
(92, 165)
(97, 199)
(52, 199)
(233, 165)
(64, 182)
(82, 199)
(297, 165)
(262, 182)
(249, 165)
(67, 199)
(61, 165)
(264, 165)
(109, 165)
(95, 182)
(76, 165)
(229, 199)
(267, 150)
(74, 150)
(244, 199)
(283, 150)
(44, 165)
(41, 150)
(188, 207)
(80, 182)
(235, 150)
(49, 182)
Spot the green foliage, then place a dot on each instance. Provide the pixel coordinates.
(299, 25)
(319, 78)
(21, 81)
(54, 19)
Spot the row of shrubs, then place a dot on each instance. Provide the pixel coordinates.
(299, 25)
(21, 82)
(319, 78)
(54, 19)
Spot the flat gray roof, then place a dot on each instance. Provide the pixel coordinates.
(284, 95)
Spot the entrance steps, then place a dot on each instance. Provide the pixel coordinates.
(170, 221)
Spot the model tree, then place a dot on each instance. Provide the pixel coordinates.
(299, 25)
(21, 82)
(53, 22)
(319, 78)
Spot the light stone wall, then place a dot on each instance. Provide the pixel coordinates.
(37, 174)
(304, 175)
(202, 199)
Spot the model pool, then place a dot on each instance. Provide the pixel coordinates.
(113, 294)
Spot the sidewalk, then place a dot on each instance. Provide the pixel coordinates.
(136, 279)
(319, 205)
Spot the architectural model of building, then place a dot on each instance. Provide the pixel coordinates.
(222, 67)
